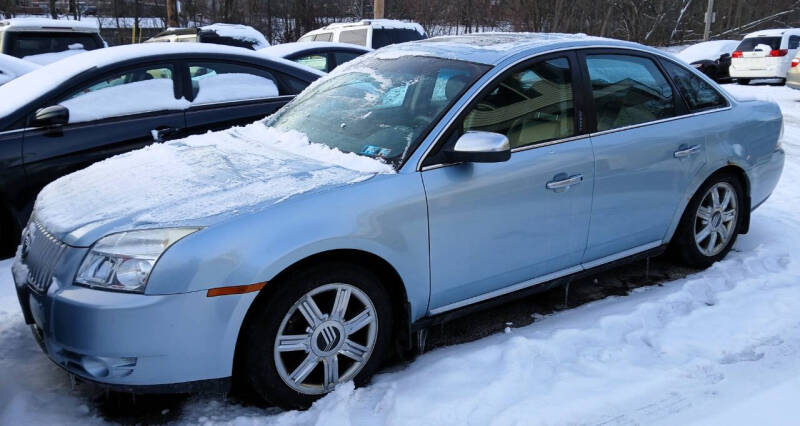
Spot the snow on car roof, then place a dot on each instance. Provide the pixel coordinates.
(377, 23)
(487, 48)
(288, 49)
(710, 50)
(239, 32)
(775, 32)
(46, 23)
(19, 92)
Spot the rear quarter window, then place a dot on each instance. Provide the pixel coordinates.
(698, 94)
(358, 37)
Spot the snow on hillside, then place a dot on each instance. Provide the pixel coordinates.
(719, 347)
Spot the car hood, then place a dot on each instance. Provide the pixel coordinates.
(194, 181)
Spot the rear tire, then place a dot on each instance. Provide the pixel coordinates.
(743, 81)
(300, 344)
(711, 222)
(780, 82)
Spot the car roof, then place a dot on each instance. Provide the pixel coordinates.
(288, 49)
(494, 48)
(775, 32)
(17, 93)
(46, 24)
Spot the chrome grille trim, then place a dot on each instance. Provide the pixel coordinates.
(44, 253)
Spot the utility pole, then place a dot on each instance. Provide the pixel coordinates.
(377, 12)
(172, 13)
(709, 17)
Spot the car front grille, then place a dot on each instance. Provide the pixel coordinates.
(41, 253)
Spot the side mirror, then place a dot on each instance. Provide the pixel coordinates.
(480, 147)
(55, 115)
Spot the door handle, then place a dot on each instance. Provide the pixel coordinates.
(683, 152)
(162, 133)
(565, 183)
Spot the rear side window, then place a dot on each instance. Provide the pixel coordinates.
(794, 42)
(225, 82)
(358, 37)
(386, 36)
(28, 45)
(699, 95)
(628, 90)
(749, 44)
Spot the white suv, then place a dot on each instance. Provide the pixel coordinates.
(765, 54)
(42, 40)
(372, 33)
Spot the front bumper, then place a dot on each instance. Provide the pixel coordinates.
(135, 342)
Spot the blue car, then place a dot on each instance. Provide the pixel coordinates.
(411, 185)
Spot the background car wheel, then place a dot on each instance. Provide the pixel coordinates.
(323, 326)
(744, 81)
(710, 224)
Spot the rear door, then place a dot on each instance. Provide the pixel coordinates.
(644, 153)
(224, 94)
(111, 114)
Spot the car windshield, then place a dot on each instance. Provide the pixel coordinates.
(379, 107)
(749, 44)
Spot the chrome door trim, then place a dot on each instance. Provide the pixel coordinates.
(622, 254)
(506, 290)
(9, 132)
(544, 278)
(683, 153)
(475, 93)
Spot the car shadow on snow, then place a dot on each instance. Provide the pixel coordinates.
(619, 281)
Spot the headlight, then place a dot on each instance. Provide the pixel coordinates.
(123, 261)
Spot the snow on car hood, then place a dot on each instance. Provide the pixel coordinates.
(197, 177)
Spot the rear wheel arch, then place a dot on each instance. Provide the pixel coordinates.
(385, 272)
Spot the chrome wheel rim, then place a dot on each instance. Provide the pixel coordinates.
(715, 219)
(325, 338)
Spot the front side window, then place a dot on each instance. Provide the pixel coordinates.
(699, 95)
(628, 90)
(533, 105)
(358, 37)
(225, 82)
(135, 91)
(377, 107)
(316, 61)
(320, 37)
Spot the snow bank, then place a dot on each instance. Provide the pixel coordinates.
(239, 32)
(197, 177)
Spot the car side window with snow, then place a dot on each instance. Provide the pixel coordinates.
(628, 90)
(699, 95)
(225, 82)
(136, 91)
(530, 106)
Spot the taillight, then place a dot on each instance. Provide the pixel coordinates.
(779, 52)
(737, 54)
(795, 62)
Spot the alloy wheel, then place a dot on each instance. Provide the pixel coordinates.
(715, 220)
(325, 338)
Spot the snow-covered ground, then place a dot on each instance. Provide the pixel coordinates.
(721, 346)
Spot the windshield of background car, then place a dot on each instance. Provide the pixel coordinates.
(379, 107)
(749, 44)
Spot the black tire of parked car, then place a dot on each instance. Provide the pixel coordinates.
(683, 246)
(779, 82)
(259, 370)
(743, 81)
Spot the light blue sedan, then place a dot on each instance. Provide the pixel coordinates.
(441, 176)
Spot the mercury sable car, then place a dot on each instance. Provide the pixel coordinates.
(410, 185)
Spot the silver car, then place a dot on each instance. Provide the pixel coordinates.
(411, 185)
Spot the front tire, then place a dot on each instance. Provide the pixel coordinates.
(711, 222)
(324, 326)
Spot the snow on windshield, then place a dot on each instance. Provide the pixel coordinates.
(233, 86)
(199, 176)
(239, 32)
(140, 96)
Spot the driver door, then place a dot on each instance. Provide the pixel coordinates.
(500, 227)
